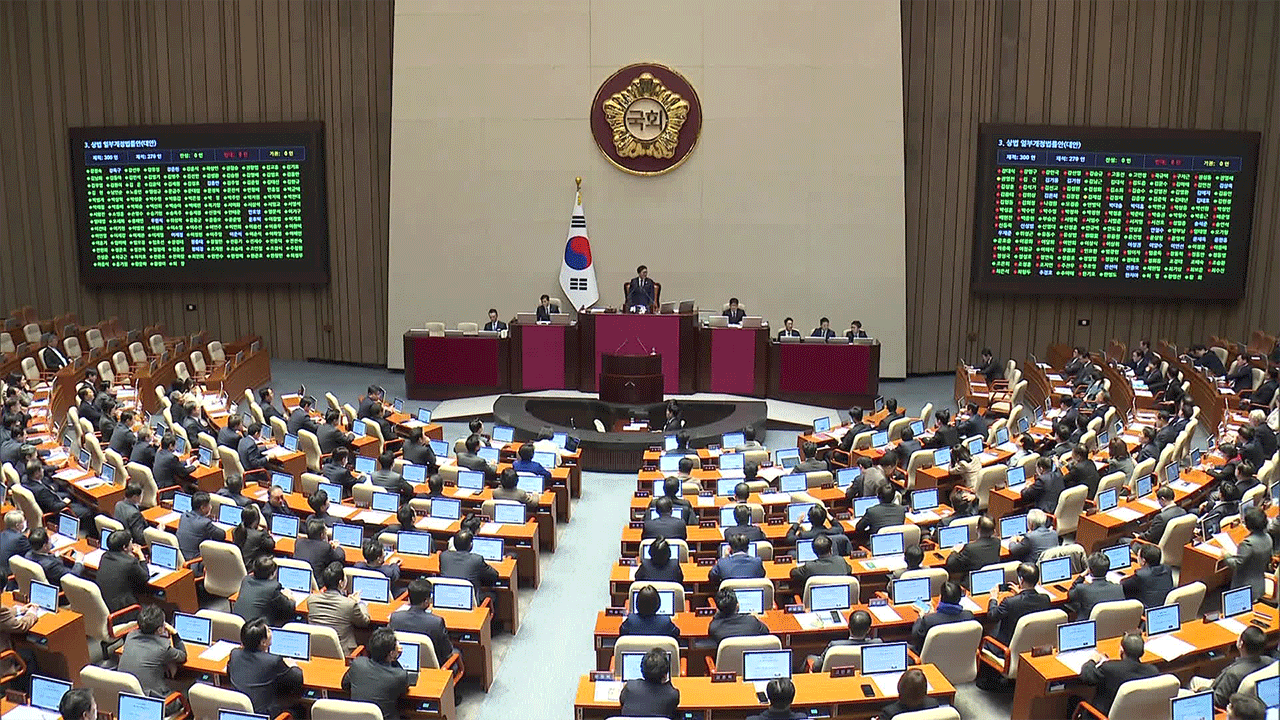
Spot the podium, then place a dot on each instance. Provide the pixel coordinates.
(631, 379)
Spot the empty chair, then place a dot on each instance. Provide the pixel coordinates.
(1117, 617)
(309, 444)
(324, 639)
(225, 625)
(643, 644)
(93, 336)
(990, 478)
(434, 329)
(468, 328)
(1189, 598)
(85, 598)
(937, 576)
(910, 533)
(1139, 699)
(30, 371)
(207, 701)
(24, 571)
(137, 354)
(223, 567)
(729, 653)
(953, 649)
(895, 427)
(26, 502)
(841, 656)
(6, 344)
(197, 363)
(919, 460)
(108, 684)
(72, 347)
(181, 371)
(1070, 507)
(345, 710)
(1037, 628)
(217, 355)
(105, 372)
(31, 331)
(156, 343)
(102, 522)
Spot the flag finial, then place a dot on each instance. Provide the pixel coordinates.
(579, 181)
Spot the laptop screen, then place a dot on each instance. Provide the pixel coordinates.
(784, 453)
(451, 597)
(668, 464)
(548, 460)
(47, 692)
(560, 439)
(886, 544)
(822, 424)
(975, 445)
(917, 427)
(879, 403)
(470, 480)
(982, 582)
(798, 512)
(372, 589)
(732, 461)
(193, 628)
(765, 664)
(1077, 635)
(235, 715)
(530, 483)
(726, 516)
(669, 442)
(1163, 619)
(910, 591)
(1192, 707)
(333, 491)
(440, 448)
(861, 504)
(137, 707)
(922, 500)
(446, 508)
(166, 556)
(752, 550)
(348, 535)
(1024, 424)
(1104, 438)
(294, 578)
(206, 457)
(942, 457)
(1016, 476)
(846, 476)
(490, 454)
(1055, 569)
(631, 665)
(181, 502)
(1236, 602)
(357, 427)
(386, 502)
(792, 483)
(285, 481)
(1269, 691)
(880, 439)
(69, 526)
(290, 442)
(365, 465)
(1118, 555)
(291, 644)
(732, 440)
(886, 658)
(666, 601)
(953, 535)
(1170, 472)
(503, 433)
(424, 415)
(415, 543)
(1108, 499)
(414, 473)
(804, 551)
(228, 514)
(489, 548)
(44, 595)
(180, 444)
(408, 658)
(1011, 525)
(1002, 436)
(508, 513)
(750, 600)
(1144, 485)
(726, 486)
(829, 597)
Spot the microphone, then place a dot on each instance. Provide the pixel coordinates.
(624, 342)
(641, 344)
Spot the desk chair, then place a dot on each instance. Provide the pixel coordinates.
(217, 354)
(362, 492)
(223, 625)
(374, 430)
(221, 500)
(24, 571)
(6, 344)
(427, 651)
(120, 364)
(156, 344)
(1028, 462)
(279, 428)
(895, 427)
(345, 710)
(208, 441)
(680, 605)
(840, 656)
(324, 641)
(1001, 403)
(106, 372)
(1116, 617)
(1177, 533)
(155, 535)
(26, 502)
(1090, 439)
(970, 522)
(1075, 551)
(434, 329)
(990, 478)
(910, 533)
(301, 565)
(994, 428)
(102, 522)
(937, 577)
(197, 363)
(729, 653)
(1189, 598)
(1249, 685)
(1142, 469)
(643, 644)
(108, 684)
(855, 590)
(657, 295)
(953, 649)
(31, 331)
(31, 372)
(1114, 480)
(469, 328)
(311, 483)
(1015, 413)
(764, 584)
(141, 474)
(137, 355)
(223, 568)
(309, 444)
(919, 460)
(256, 410)
(926, 414)
(180, 369)
(1271, 589)
(332, 401)
(941, 713)
(349, 413)
(680, 547)
(206, 701)
(85, 598)
(1037, 628)
(96, 457)
(1066, 516)
(1137, 700)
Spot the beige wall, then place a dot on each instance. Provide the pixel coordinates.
(792, 200)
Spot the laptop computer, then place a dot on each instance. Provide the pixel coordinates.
(982, 582)
(294, 578)
(164, 559)
(1163, 619)
(385, 502)
(47, 692)
(1011, 525)
(1055, 570)
(750, 600)
(631, 665)
(237, 715)
(489, 548)
(365, 465)
(886, 544)
(139, 707)
(732, 463)
(884, 658)
(333, 491)
(1108, 499)
(508, 513)
(372, 589)
(922, 500)
(1118, 556)
(446, 508)
(846, 476)
(798, 512)
(1192, 707)
(668, 464)
(451, 597)
(490, 454)
(285, 482)
(1237, 602)
(1016, 476)
(470, 480)
(181, 502)
(43, 596)
(503, 433)
(290, 442)
(1144, 485)
(193, 628)
(790, 483)
(822, 424)
(415, 543)
(732, 440)
(804, 551)
(290, 644)
(765, 665)
(666, 601)
(823, 598)
(953, 535)
(228, 516)
(414, 473)
(910, 591)
(548, 459)
(942, 458)
(348, 535)
(530, 483)
(861, 504)
(408, 658)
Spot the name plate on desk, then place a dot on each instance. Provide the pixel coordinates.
(724, 677)
(847, 671)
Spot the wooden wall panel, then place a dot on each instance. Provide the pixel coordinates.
(83, 62)
(1176, 63)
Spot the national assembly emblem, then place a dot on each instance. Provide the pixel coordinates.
(646, 119)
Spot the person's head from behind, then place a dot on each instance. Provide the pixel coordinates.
(234, 485)
(686, 465)
(1229, 491)
(473, 443)
(1062, 431)
(1132, 646)
(1151, 555)
(748, 434)
(1255, 520)
(913, 556)
(150, 619)
(908, 434)
(859, 624)
(726, 602)
(671, 487)
(1241, 706)
(742, 516)
(119, 541)
(332, 417)
(1044, 466)
(264, 567)
(1252, 642)
(14, 520)
(1099, 565)
(249, 516)
(647, 601)
(1028, 575)
(986, 527)
(315, 528)
(509, 479)
(738, 543)
(78, 704)
(1165, 495)
(200, 503)
(886, 493)
(420, 592)
(742, 492)
(655, 666)
(1036, 519)
(255, 635)
(950, 593)
(660, 552)
(682, 440)
(663, 505)
(817, 516)
(383, 647)
(781, 692)
(525, 452)
(319, 502)
(822, 545)
(332, 577)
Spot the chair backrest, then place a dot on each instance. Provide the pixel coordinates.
(1027, 461)
(434, 329)
(24, 571)
(345, 710)
(29, 369)
(197, 362)
(1037, 628)
(945, 712)
(96, 457)
(6, 344)
(155, 535)
(1114, 480)
(136, 353)
(207, 700)
(31, 331)
(855, 589)
(953, 649)
(895, 427)
(643, 644)
(223, 567)
(660, 585)
(729, 654)
(311, 483)
(841, 656)
(1015, 412)
(1117, 617)
(86, 599)
(937, 576)
(919, 459)
(141, 474)
(1145, 698)
(764, 584)
(324, 640)
(106, 372)
(1177, 533)
(910, 533)
(230, 460)
(990, 478)
(426, 648)
(1070, 506)
(1090, 438)
(301, 565)
(679, 548)
(1075, 551)
(225, 625)
(374, 430)
(217, 355)
(1189, 598)
(1249, 685)
(72, 347)
(310, 446)
(102, 522)
(156, 343)
(208, 441)
(818, 479)
(26, 502)
(107, 686)
(120, 363)
(468, 328)
(926, 413)
(93, 336)
(349, 412)
(181, 371)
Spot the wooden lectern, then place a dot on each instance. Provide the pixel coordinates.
(631, 379)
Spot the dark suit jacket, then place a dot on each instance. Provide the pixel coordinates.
(993, 370)
(544, 313)
(1084, 595)
(740, 625)
(121, 578)
(263, 599)
(736, 566)
(393, 481)
(1084, 473)
(88, 410)
(1012, 609)
(47, 498)
(300, 420)
(193, 529)
(944, 615)
(667, 526)
(122, 440)
(52, 565)
(906, 449)
(824, 334)
(228, 438)
(168, 470)
(1249, 564)
(331, 437)
(12, 543)
(1043, 492)
(641, 698)
(468, 566)
(265, 678)
(1266, 437)
(143, 454)
(1110, 675)
(753, 533)
(671, 572)
(130, 515)
(735, 316)
(840, 544)
(636, 624)
(1160, 521)
(1151, 585)
(944, 436)
(495, 326)
(641, 291)
(251, 455)
(318, 553)
(788, 333)
(976, 554)
(269, 411)
(257, 543)
(976, 424)
(421, 455)
(829, 565)
(475, 462)
(53, 359)
(425, 622)
(382, 684)
(1033, 544)
(881, 515)
(846, 442)
(338, 474)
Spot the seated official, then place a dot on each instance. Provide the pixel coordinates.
(856, 428)
(820, 524)
(229, 436)
(1118, 458)
(144, 450)
(965, 504)
(892, 412)
(642, 295)
(1044, 490)
(471, 460)
(965, 467)
(416, 617)
(882, 515)
(417, 450)
(913, 556)
(251, 537)
(855, 331)
(1245, 707)
(823, 330)
(123, 438)
(333, 607)
(494, 324)
(644, 618)
(913, 689)
(337, 469)
(742, 526)
(330, 436)
(788, 329)
(526, 464)
(907, 446)
(1248, 566)
(734, 313)
(376, 677)
(945, 434)
(728, 622)
(859, 634)
(52, 494)
(1093, 587)
(196, 526)
(660, 565)
(122, 572)
(1152, 581)
(266, 679)
(1251, 646)
(372, 396)
(875, 476)
(546, 309)
(671, 488)
(781, 692)
(737, 565)
(13, 539)
(169, 470)
(972, 423)
(978, 553)
(948, 610)
(1169, 510)
(128, 512)
(150, 650)
(250, 450)
(825, 563)
(749, 441)
(386, 477)
(78, 704)
(319, 503)
(300, 418)
(1007, 608)
(462, 564)
(375, 558)
(232, 489)
(275, 505)
(508, 489)
(652, 695)
(1108, 675)
(1082, 471)
(682, 446)
(266, 403)
(990, 367)
(316, 548)
(665, 525)
(811, 462)
(262, 596)
(1039, 537)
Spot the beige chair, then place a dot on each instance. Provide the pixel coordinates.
(31, 331)
(1070, 507)
(71, 346)
(1090, 439)
(106, 372)
(197, 363)
(1075, 551)
(1038, 628)
(207, 701)
(1177, 533)
(1249, 685)
(309, 444)
(1114, 480)
(180, 369)
(6, 344)
(895, 427)
(156, 343)
(108, 684)
(279, 428)
(1117, 617)
(311, 483)
(910, 533)
(102, 522)
(643, 644)
(345, 710)
(468, 328)
(1139, 699)
(818, 479)
(940, 713)
(26, 502)
(374, 430)
(223, 568)
(679, 548)
(24, 571)
(1189, 598)
(855, 590)
(324, 640)
(230, 460)
(953, 649)
(208, 441)
(434, 329)
(96, 456)
(217, 354)
(1142, 469)
(224, 625)
(256, 410)
(990, 478)
(93, 336)
(155, 536)
(919, 460)
(764, 584)
(680, 603)
(841, 656)
(926, 414)
(729, 653)
(30, 371)
(85, 598)
(349, 414)
(332, 401)
(1028, 462)
(141, 474)
(937, 576)
(362, 493)
(120, 364)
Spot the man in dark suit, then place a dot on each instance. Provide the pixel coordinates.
(1169, 429)
(86, 408)
(972, 423)
(1152, 581)
(372, 396)
(417, 450)
(1039, 537)
(122, 572)
(644, 618)
(665, 525)
(229, 436)
(883, 514)
(416, 617)
(388, 478)
(728, 622)
(856, 332)
(52, 565)
(734, 313)
(788, 329)
(825, 564)
(1008, 608)
(123, 438)
(859, 634)
(1248, 565)
(472, 461)
(945, 435)
(892, 412)
(331, 436)
(266, 679)
(128, 512)
(820, 524)
(781, 692)
(300, 418)
(1043, 492)
(1083, 471)
(990, 367)
(546, 309)
(1204, 358)
(316, 549)
(51, 357)
(1262, 433)
(737, 564)
(1086, 592)
(1077, 362)
(275, 505)
(978, 553)
(52, 495)
(13, 539)
(742, 527)
(856, 427)
(947, 611)
(251, 455)
(1108, 675)
(1251, 646)
(641, 292)
(652, 695)
(494, 324)
(1262, 396)
(196, 526)
(168, 469)
(261, 595)
(1168, 511)
(144, 449)
(823, 330)
(907, 447)
(811, 462)
(377, 677)
(463, 564)
(1249, 448)
(266, 401)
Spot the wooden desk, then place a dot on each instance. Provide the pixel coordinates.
(1099, 530)
(831, 697)
(822, 374)
(437, 367)
(59, 640)
(1203, 560)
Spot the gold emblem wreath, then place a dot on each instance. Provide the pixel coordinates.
(615, 112)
